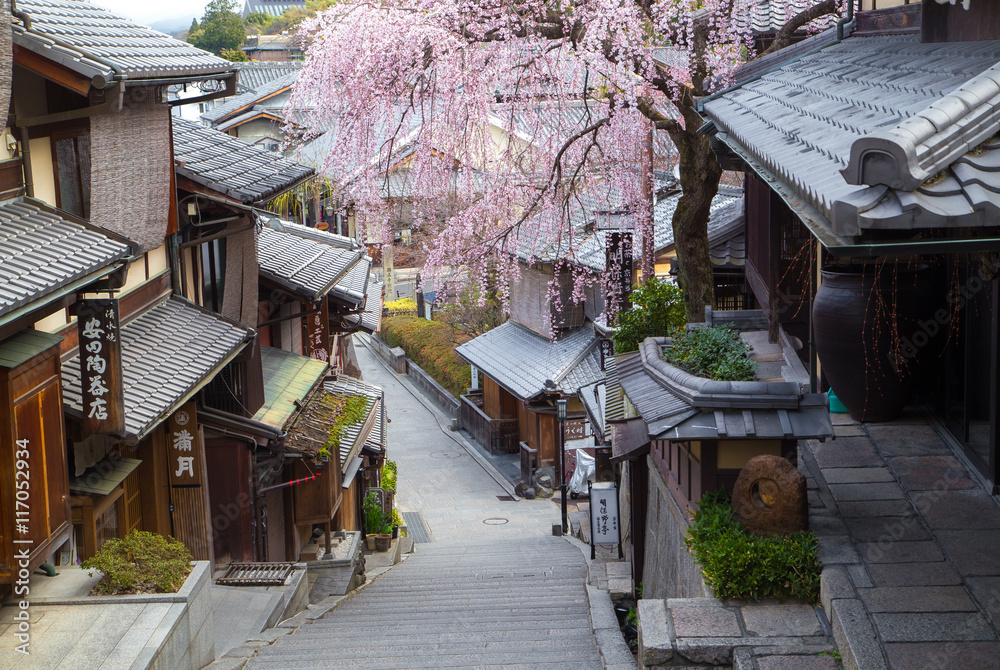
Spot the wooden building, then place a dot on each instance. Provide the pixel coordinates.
(87, 205)
(906, 191)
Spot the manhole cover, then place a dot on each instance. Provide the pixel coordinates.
(445, 454)
(495, 521)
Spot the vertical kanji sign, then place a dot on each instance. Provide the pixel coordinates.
(618, 261)
(318, 333)
(101, 366)
(184, 448)
(604, 527)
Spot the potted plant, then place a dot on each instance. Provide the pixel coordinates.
(384, 538)
(373, 518)
(397, 521)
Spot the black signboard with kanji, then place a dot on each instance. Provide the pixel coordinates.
(618, 261)
(101, 366)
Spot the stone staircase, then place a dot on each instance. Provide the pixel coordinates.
(513, 603)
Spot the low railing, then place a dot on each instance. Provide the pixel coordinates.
(497, 435)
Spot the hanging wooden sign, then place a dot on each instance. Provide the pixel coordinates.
(184, 448)
(618, 261)
(318, 333)
(101, 366)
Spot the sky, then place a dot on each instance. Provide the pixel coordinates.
(151, 11)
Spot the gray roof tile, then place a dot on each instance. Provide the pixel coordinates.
(522, 361)
(246, 101)
(808, 120)
(370, 320)
(303, 261)
(85, 38)
(270, 7)
(168, 352)
(230, 166)
(40, 252)
(353, 288)
(351, 437)
(255, 75)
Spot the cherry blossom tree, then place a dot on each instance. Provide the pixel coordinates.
(501, 122)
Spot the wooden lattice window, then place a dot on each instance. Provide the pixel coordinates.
(131, 504)
(107, 524)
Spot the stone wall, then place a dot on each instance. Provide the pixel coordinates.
(670, 571)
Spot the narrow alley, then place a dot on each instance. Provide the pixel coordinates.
(492, 587)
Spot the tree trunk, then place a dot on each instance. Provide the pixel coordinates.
(700, 174)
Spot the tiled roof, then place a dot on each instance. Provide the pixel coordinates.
(770, 15)
(248, 100)
(270, 7)
(255, 75)
(298, 261)
(677, 405)
(230, 166)
(87, 38)
(288, 379)
(522, 361)
(353, 288)
(353, 436)
(883, 110)
(41, 252)
(370, 320)
(228, 124)
(168, 352)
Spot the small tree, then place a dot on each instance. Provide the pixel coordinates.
(221, 28)
(259, 20)
(657, 311)
(235, 55)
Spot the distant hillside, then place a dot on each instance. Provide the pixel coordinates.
(174, 26)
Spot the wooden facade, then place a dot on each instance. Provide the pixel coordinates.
(696, 467)
(34, 485)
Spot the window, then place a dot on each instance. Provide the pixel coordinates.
(71, 155)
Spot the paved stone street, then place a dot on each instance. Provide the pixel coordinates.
(908, 541)
(492, 588)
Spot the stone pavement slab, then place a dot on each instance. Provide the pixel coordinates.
(914, 579)
(787, 619)
(937, 627)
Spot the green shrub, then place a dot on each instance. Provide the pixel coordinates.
(140, 562)
(430, 345)
(389, 476)
(657, 311)
(372, 512)
(737, 564)
(401, 305)
(717, 353)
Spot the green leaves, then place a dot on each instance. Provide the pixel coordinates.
(716, 353)
(736, 564)
(140, 562)
(657, 311)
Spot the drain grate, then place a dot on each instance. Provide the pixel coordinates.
(495, 521)
(417, 528)
(505, 498)
(255, 574)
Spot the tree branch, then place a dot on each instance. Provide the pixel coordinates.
(784, 36)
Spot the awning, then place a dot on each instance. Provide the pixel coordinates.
(354, 436)
(305, 261)
(528, 365)
(370, 320)
(44, 255)
(102, 478)
(674, 405)
(350, 471)
(169, 352)
(288, 380)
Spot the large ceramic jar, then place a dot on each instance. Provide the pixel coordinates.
(863, 316)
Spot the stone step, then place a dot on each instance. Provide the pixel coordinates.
(433, 632)
(401, 657)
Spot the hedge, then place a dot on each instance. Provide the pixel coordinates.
(430, 345)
